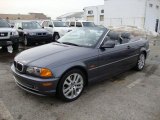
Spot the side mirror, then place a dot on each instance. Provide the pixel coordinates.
(20, 28)
(51, 26)
(42, 27)
(108, 44)
(12, 26)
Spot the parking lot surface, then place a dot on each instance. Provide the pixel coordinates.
(129, 96)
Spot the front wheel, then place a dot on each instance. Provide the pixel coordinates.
(71, 85)
(56, 37)
(141, 62)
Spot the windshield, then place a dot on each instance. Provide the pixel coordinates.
(60, 24)
(88, 24)
(87, 37)
(4, 24)
(31, 25)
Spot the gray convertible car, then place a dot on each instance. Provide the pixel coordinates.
(80, 57)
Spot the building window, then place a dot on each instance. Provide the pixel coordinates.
(72, 24)
(101, 17)
(90, 12)
(157, 7)
(78, 24)
(150, 5)
(102, 11)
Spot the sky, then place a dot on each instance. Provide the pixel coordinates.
(52, 8)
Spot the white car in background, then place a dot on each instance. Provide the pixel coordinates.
(57, 28)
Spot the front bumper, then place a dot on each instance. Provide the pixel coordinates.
(37, 39)
(10, 41)
(34, 84)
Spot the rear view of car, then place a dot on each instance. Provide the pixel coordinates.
(8, 35)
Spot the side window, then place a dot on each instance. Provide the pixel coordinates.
(16, 26)
(72, 24)
(49, 23)
(67, 23)
(45, 24)
(78, 24)
(19, 25)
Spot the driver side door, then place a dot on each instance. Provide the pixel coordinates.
(112, 61)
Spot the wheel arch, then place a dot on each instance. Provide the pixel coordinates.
(55, 32)
(81, 68)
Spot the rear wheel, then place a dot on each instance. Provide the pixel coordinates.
(71, 85)
(141, 62)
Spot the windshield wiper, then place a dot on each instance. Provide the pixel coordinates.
(68, 43)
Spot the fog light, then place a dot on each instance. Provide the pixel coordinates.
(47, 84)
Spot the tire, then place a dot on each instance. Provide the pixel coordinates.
(56, 37)
(15, 46)
(141, 62)
(69, 87)
(26, 41)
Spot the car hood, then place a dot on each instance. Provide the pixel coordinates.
(7, 30)
(53, 53)
(34, 30)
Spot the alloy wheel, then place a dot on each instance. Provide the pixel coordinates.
(73, 86)
(141, 61)
(56, 37)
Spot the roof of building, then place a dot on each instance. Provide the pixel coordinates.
(70, 15)
(94, 6)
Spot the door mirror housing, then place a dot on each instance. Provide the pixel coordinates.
(109, 44)
(20, 28)
(51, 26)
(12, 26)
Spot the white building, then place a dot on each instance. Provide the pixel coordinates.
(140, 13)
(95, 14)
(74, 16)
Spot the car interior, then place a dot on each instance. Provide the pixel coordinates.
(119, 38)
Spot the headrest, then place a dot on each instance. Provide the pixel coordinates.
(126, 35)
(114, 35)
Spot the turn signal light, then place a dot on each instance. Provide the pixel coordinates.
(45, 72)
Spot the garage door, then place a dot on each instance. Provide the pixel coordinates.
(90, 18)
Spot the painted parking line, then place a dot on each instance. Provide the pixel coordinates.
(4, 113)
(134, 83)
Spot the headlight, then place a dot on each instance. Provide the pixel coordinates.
(40, 72)
(32, 34)
(15, 33)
